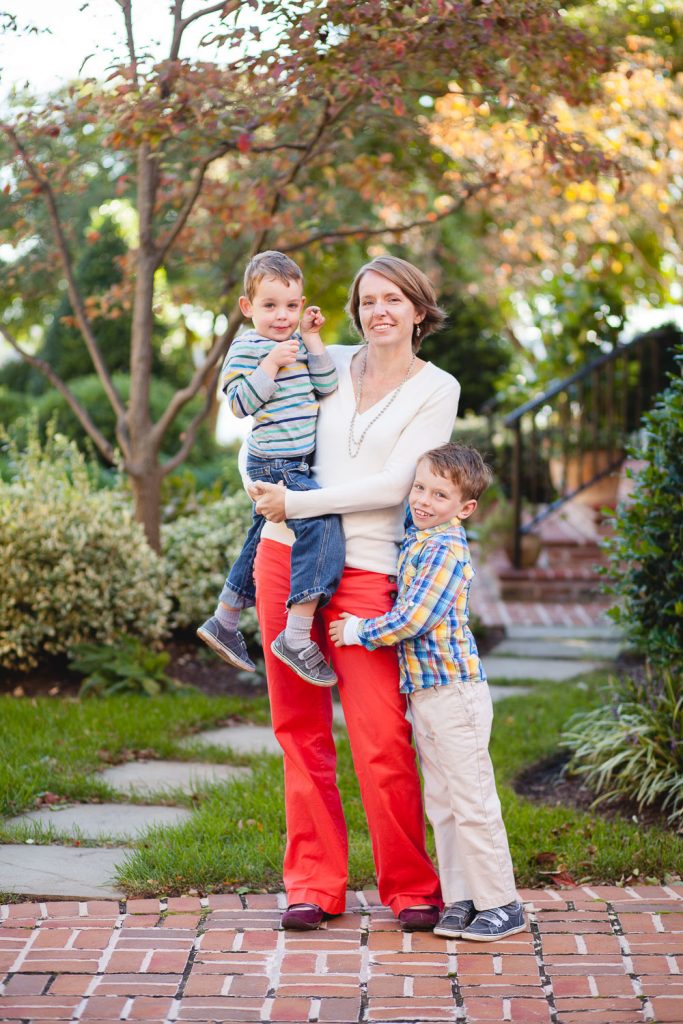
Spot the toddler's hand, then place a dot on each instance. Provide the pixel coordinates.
(311, 323)
(284, 352)
(337, 629)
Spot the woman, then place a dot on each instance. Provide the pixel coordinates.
(389, 408)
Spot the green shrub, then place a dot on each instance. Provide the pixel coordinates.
(646, 551)
(125, 667)
(198, 550)
(76, 566)
(632, 746)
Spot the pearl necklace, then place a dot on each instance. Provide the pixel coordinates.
(354, 445)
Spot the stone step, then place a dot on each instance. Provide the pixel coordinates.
(146, 777)
(575, 584)
(60, 872)
(97, 821)
(567, 648)
(241, 739)
(539, 669)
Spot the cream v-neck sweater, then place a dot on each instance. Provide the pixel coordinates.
(370, 491)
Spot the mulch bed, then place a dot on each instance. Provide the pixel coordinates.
(549, 782)
(191, 663)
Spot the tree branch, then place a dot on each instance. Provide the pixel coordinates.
(180, 24)
(57, 382)
(186, 394)
(74, 294)
(164, 247)
(191, 432)
(361, 232)
(126, 6)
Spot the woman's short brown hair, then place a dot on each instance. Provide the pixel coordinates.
(412, 282)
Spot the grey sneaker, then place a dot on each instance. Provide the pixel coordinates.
(309, 663)
(227, 643)
(496, 923)
(455, 918)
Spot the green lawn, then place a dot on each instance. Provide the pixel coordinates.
(235, 838)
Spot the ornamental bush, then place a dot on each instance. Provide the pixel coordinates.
(198, 551)
(76, 566)
(646, 551)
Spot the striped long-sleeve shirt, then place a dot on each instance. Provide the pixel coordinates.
(284, 409)
(429, 620)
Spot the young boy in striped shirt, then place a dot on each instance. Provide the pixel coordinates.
(276, 373)
(449, 697)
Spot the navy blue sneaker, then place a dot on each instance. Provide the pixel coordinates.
(227, 643)
(496, 923)
(455, 918)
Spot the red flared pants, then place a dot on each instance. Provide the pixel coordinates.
(316, 857)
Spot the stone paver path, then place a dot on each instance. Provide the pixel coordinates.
(593, 955)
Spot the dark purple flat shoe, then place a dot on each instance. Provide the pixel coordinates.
(418, 919)
(303, 917)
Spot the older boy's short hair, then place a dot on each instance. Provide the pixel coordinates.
(463, 466)
(269, 263)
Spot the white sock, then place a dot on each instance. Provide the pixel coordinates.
(298, 631)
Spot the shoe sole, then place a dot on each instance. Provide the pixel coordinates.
(493, 938)
(224, 652)
(297, 670)
(447, 933)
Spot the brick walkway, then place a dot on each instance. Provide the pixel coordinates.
(593, 955)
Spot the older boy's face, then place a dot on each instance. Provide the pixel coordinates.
(275, 308)
(435, 499)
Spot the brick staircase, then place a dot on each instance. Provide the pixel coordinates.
(567, 568)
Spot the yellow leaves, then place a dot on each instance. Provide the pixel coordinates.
(616, 266)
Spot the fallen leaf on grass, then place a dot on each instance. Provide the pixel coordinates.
(546, 857)
(47, 798)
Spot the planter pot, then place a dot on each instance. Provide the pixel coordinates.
(530, 550)
(602, 492)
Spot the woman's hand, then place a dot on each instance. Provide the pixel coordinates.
(337, 629)
(270, 500)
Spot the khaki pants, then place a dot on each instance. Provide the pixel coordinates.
(452, 726)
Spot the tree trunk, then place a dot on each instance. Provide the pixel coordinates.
(147, 497)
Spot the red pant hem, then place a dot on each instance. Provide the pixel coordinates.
(330, 904)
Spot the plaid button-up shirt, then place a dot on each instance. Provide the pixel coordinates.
(429, 619)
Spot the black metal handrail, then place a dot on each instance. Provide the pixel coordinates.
(576, 433)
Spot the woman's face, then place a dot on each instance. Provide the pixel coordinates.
(386, 313)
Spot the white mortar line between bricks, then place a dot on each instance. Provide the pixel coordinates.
(4, 911)
(452, 966)
(407, 944)
(554, 895)
(72, 938)
(83, 908)
(273, 965)
(237, 942)
(672, 892)
(408, 987)
(147, 959)
(320, 963)
(78, 1012)
(204, 901)
(43, 910)
(103, 962)
(282, 900)
(125, 1012)
(364, 972)
(589, 892)
(361, 898)
(24, 952)
(592, 986)
(174, 1011)
(225, 987)
(497, 963)
(673, 966)
(581, 946)
(657, 922)
(632, 893)
(266, 1009)
(314, 1009)
(507, 1009)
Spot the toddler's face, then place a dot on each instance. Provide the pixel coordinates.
(275, 308)
(435, 499)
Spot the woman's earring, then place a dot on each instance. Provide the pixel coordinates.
(418, 332)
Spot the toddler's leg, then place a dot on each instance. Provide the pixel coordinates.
(295, 647)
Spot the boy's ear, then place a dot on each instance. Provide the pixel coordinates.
(246, 307)
(467, 509)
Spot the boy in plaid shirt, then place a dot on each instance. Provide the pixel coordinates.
(449, 697)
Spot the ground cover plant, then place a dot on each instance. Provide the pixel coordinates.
(236, 837)
(632, 745)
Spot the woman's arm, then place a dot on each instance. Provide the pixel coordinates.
(431, 427)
